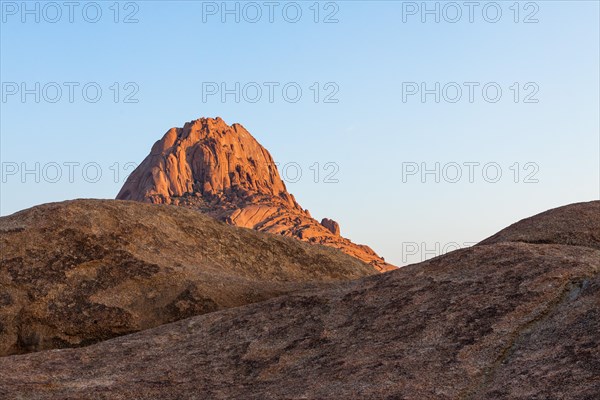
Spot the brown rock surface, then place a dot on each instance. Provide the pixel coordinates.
(502, 321)
(223, 171)
(331, 225)
(82, 271)
(574, 224)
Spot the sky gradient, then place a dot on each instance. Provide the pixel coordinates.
(367, 120)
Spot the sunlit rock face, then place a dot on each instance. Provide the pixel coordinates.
(223, 171)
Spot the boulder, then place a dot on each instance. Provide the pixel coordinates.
(331, 225)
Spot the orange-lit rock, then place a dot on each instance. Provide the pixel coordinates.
(331, 225)
(223, 171)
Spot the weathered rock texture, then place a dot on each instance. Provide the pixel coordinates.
(331, 225)
(576, 224)
(500, 321)
(82, 271)
(224, 172)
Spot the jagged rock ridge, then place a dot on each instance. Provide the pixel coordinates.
(224, 172)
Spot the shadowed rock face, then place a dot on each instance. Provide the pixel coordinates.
(508, 320)
(224, 172)
(82, 271)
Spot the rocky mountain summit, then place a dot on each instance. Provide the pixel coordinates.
(79, 272)
(514, 317)
(224, 172)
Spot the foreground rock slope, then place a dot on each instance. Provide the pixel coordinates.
(224, 172)
(508, 320)
(78, 272)
(576, 224)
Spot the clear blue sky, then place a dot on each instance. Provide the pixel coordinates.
(372, 134)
